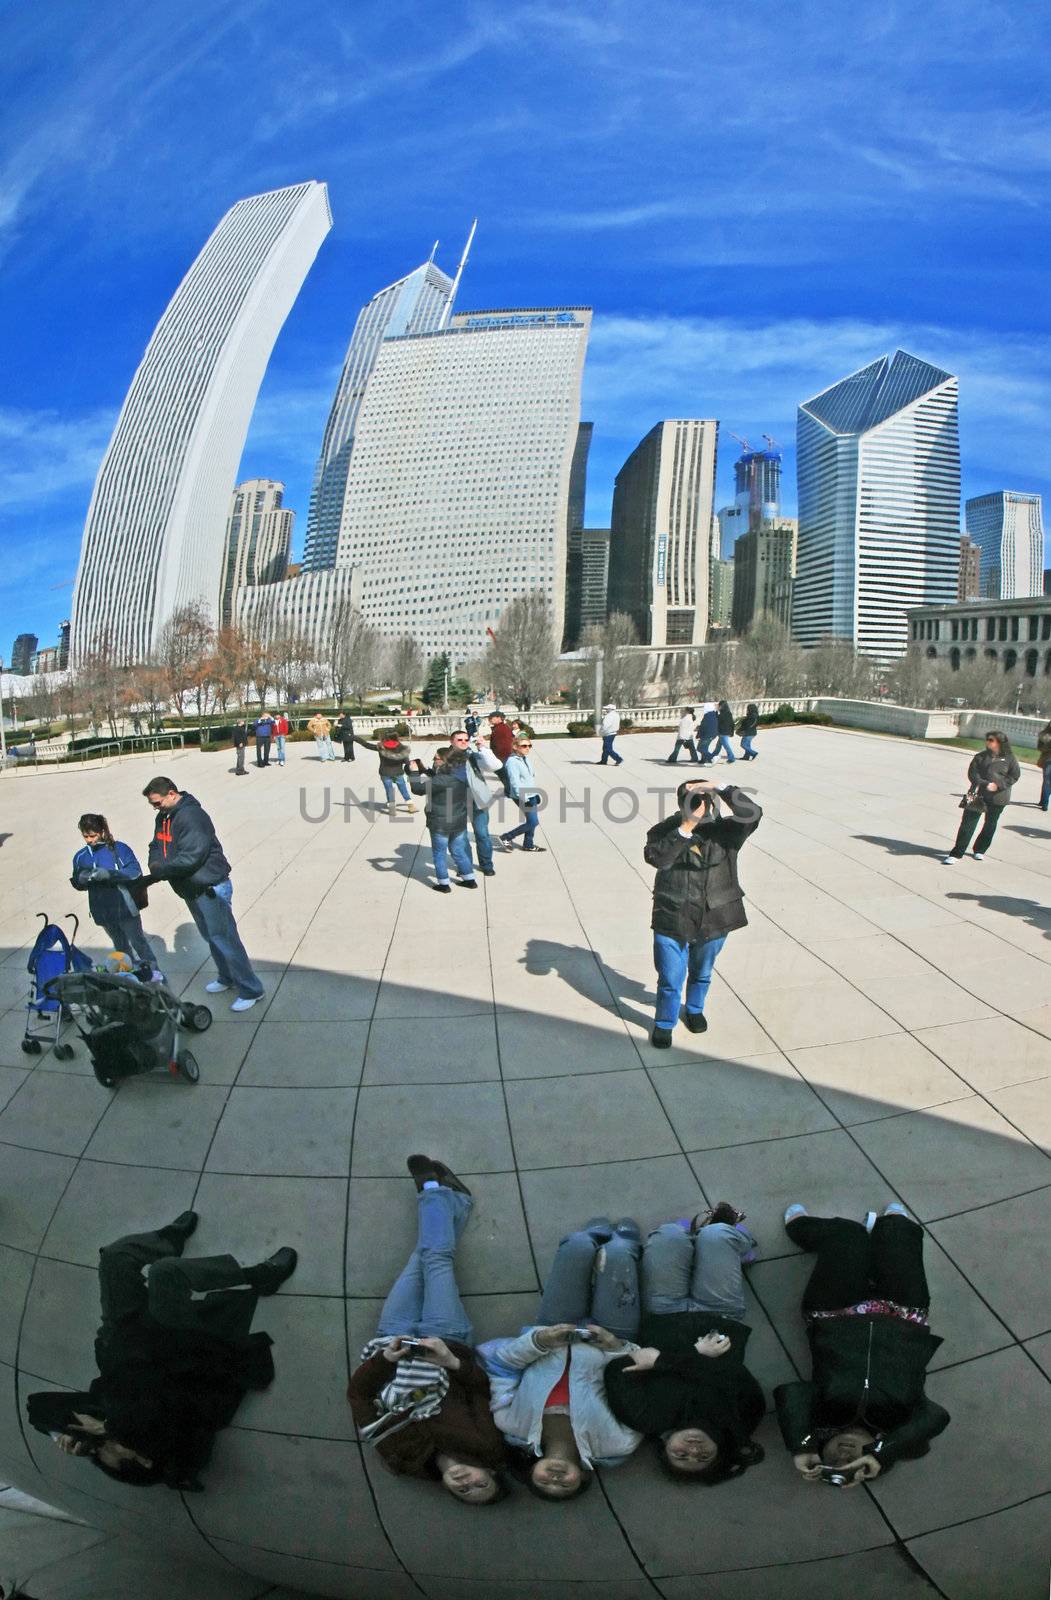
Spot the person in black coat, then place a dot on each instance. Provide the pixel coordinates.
(867, 1306)
(344, 732)
(725, 728)
(446, 812)
(688, 1386)
(173, 1368)
(747, 729)
(240, 744)
(697, 899)
(991, 776)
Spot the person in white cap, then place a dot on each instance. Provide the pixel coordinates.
(609, 728)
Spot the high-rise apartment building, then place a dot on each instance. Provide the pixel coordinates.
(757, 486)
(970, 571)
(721, 614)
(309, 605)
(587, 579)
(417, 303)
(661, 532)
(258, 540)
(1008, 529)
(763, 560)
(63, 645)
(878, 461)
(457, 490)
(22, 653)
(153, 541)
(578, 477)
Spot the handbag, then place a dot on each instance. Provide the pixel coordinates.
(972, 801)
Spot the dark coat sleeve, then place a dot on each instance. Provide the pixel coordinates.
(745, 816)
(795, 1407)
(921, 1425)
(190, 851)
(665, 844)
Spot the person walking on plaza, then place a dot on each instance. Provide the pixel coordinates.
(471, 723)
(502, 741)
(867, 1308)
(548, 1384)
(707, 732)
(991, 775)
(445, 811)
(344, 731)
(609, 727)
(747, 729)
(106, 868)
(185, 852)
(471, 766)
(264, 733)
(280, 735)
(175, 1358)
(688, 1387)
(725, 728)
(420, 1396)
(685, 738)
(240, 743)
(395, 758)
(697, 898)
(321, 728)
(1043, 761)
(521, 781)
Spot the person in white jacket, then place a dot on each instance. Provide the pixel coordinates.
(609, 728)
(547, 1386)
(684, 739)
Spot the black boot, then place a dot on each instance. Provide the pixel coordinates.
(660, 1038)
(696, 1021)
(425, 1169)
(180, 1230)
(269, 1275)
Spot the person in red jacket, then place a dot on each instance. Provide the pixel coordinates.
(280, 735)
(419, 1396)
(501, 742)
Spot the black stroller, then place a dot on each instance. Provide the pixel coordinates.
(130, 1027)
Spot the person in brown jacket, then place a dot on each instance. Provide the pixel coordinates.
(419, 1396)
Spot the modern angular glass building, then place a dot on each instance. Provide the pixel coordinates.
(417, 303)
(153, 540)
(1008, 529)
(878, 462)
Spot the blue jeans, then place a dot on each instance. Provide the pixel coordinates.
(425, 1300)
(1045, 787)
(482, 839)
(681, 1272)
(213, 914)
(608, 750)
(748, 743)
(389, 787)
(279, 741)
(723, 744)
(684, 744)
(458, 846)
(528, 827)
(583, 1283)
(680, 963)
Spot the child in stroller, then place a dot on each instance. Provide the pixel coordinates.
(106, 868)
(130, 1027)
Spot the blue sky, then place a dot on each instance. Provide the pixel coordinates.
(754, 199)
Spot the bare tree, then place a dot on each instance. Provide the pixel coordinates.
(835, 667)
(405, 664)
(101, 682)
(229, 665)
(680, 674)
(522, 660)
(42, 700)
(624, 672)
(294, 663)
(352, 659)
(768, 661)
(915, 680)
(186, 648)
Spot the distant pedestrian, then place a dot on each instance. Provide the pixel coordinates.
(724, 728)
(321, 728)
(395, 757)
(1043, 761)
(471, 723)
(185, 851)
(521, 780)
(747, 728)
(136, 723)
(280, 735)
(107, 868)
(264, 733)
(609, 727)
(502, 741)
(239, 738)
(344, 732)
(697, 899)
(684, 739)
(707, 732)
(446, 806)
(992, 774)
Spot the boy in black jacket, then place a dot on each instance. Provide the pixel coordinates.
(697, 899)
(446, 813)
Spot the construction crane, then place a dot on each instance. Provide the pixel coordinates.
(771, 443)
(742, 442)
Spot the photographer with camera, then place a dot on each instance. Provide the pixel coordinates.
(420, 1396)
(697, 899)
(866, 1307)
(548, 1389)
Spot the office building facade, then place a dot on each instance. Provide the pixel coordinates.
(153, 540)
(417, 303)
(258, 540)
(878, 461)
(22, 653)
(1015, 635)
(578, 476)
(1008, 529)
(587, 579)
(661, 532)
(722, 596)
(308, 606)
(970, 571)
(457, 493)
(763, 560)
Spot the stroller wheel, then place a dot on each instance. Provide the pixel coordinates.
(187, 1065)
(104, 1078)
(199, 1018)
(63, 1052)
(31, 1047)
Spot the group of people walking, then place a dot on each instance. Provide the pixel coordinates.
(705, 736)
(633, 1339)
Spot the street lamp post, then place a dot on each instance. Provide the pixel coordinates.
(3, 736)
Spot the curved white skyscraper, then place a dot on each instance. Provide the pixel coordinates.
(154, 536)
(878, 462)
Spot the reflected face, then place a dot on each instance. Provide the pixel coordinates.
(90, 836)
(474, 1485)
(557, 1478)
(993, 745)
(459, 741)
(690, 1450)
(846, 1446)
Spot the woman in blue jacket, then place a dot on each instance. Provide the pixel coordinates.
(105, 867)
(520, 780)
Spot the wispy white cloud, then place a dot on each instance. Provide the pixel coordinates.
(46, 455)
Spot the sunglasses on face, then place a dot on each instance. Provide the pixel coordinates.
(525, 744)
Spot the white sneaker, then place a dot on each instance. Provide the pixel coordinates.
(976, 857)
(795, 1211)
(870, 1221)
(217, 986)
(246, 1003)
(895, 1209)
(949, 861)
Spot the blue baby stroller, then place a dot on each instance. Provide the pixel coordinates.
(53, 956)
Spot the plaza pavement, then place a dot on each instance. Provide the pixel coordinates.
(882, 1029)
